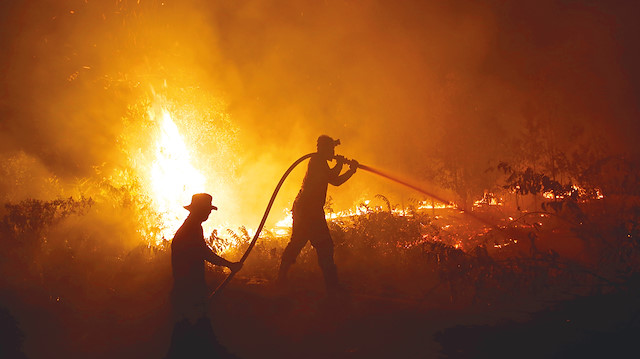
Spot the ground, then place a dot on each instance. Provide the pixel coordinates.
(407, 299)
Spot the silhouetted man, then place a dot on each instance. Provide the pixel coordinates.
(309, 223)
(192, 334)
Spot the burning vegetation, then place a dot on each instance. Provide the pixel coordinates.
(509, 182)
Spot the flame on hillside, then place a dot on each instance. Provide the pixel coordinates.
(173, 178)
(282, 228)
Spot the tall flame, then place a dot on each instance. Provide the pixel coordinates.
(173, 178)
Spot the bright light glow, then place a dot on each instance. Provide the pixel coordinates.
(548, 195)
(287, 221)
(281, 232)
(173, 179)
(431, 205)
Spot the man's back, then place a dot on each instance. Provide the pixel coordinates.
(314, 186)
(187, 258)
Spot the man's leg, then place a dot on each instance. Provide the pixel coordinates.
(291, 252)
(324, 249)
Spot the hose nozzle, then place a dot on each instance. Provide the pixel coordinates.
(351, 162)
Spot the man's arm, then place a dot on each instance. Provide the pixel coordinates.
(213, 258)
(334, 172)
(340, 179)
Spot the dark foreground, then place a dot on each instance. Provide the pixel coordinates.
(550, 295)
(307, 325)
(253, 320)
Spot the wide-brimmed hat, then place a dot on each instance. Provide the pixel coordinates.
(201, 202)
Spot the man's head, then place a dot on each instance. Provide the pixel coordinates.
(326, 146)
(201, 206)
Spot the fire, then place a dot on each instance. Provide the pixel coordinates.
(161, 146)
(173, 178)
(283, 227)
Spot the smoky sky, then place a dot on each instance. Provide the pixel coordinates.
(392, 80)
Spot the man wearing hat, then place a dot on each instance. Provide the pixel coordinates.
(309, 223)
(193, 334)
(188, 254)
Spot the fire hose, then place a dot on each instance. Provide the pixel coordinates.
(277, 189)
(264, 219)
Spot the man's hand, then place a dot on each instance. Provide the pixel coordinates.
(340, 159)
(353, 165)
(235, 266)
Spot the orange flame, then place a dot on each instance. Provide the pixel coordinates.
(173, 178)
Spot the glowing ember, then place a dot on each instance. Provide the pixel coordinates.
(173, 178)
(432, 205)
(488, 199)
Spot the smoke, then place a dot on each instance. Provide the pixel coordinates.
(398, 83)
(434, 92)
